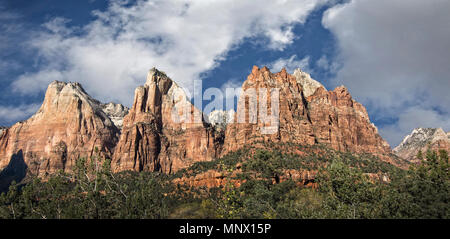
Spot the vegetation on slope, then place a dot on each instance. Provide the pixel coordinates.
(344, 189)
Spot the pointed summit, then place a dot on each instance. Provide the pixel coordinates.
(283, 72)
(221, 118)
(116, 112)
(309, 84)
(308, 115)
(154, 76)
(422, 139)
(69, 125)
(255, 69)
(163, 131)
(265, 69)
(59, 95)
(2, 129)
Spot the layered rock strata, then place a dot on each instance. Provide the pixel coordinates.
(69, 125)
(308, 114)
(163, 131)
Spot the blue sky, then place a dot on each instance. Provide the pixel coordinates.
(392, 59)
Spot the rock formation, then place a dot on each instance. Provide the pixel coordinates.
(69, 125)
(308, 114)
(2, 129)
(116, 112)
(309, 85)
(422, 139)
(343, 124)
(220, 118)
(163, 131)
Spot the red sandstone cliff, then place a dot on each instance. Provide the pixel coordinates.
(161, 133)
(69, 125)
(164, 132)
(308, 114)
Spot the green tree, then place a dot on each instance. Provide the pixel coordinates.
(424, 191)
(348, 192)
(420, 155)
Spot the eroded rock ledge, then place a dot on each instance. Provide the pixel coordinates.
(70, 125)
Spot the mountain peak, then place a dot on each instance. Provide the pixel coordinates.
(422, 136)
(161, 130)
(70, 124)
(59, 86)
(61, 96)
(305, 116)
(221, 118)
(422, 139)
(2, 129)
(255, 69)
(309, 84)
(116, 112)
(164, 131)
(154, 76)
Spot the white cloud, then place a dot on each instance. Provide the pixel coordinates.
(411, 118)
(290, 64)
(280, 38)
(111, 55)
(232, 83)
(325, 64)
(12, 114)
(35, 82)
(395, 56)
(11, 30)
(231, 91)
(8, 65)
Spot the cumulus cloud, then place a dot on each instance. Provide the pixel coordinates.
(290, 64)
(325, 64)
(10, 114)
(411, 118)
(394, 57)
(11, 29)
(32, 83)
(111, 55)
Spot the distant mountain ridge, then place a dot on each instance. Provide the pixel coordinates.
(422, 139)
(2, 128)
(221, 118)
(70, 125)
(116, 112)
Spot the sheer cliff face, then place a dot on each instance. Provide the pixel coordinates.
(69, 125)
(307, 116)
(341, 122)
(294, 123)
(163, 131)
(422, 139)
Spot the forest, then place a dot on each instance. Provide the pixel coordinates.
(342, 189)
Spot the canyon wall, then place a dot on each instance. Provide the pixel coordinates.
(164, 132)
